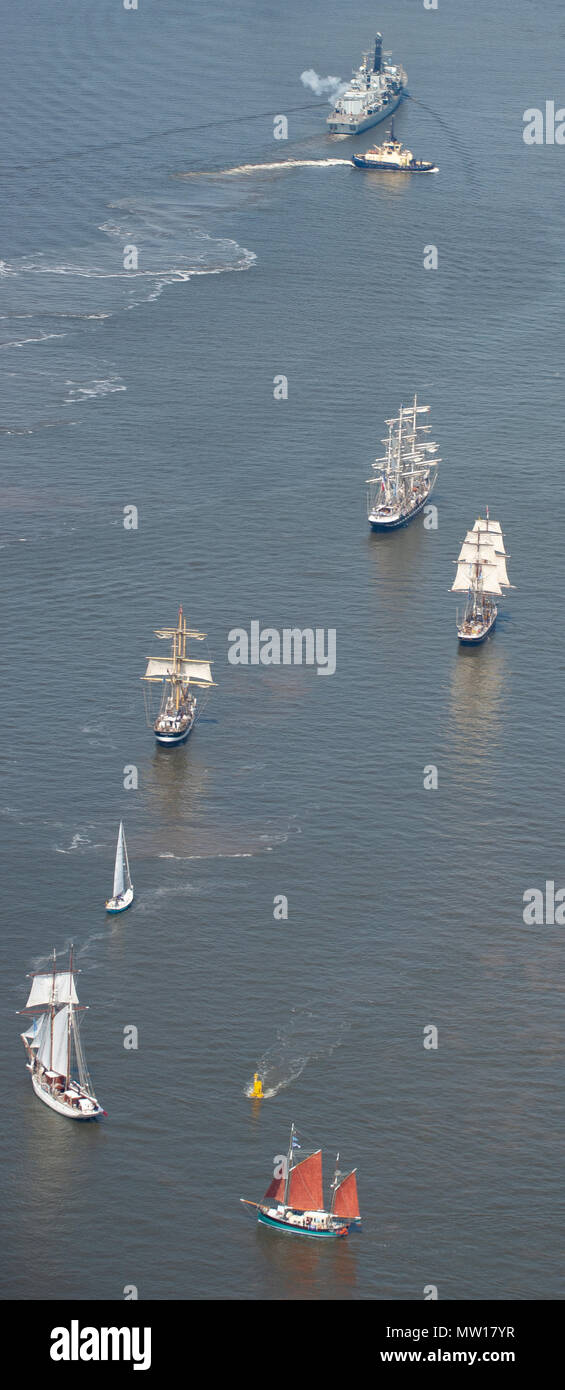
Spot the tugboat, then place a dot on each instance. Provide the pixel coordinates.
(482, 575)
(295, 1201)
(177, 674)
(50, 1041)
(392, 156)
(405, 477)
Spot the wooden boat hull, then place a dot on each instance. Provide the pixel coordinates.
(468, 639)
(69, 1112)
(120, 904)
(280, 1225)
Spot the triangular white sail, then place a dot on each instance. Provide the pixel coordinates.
(34, 1032)
(53, 1043)
(60, 1061)
(44, 1042)
(119, 866)
(45, 990)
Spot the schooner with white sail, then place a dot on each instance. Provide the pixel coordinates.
(122, 888)
(53, 1046)
(482, 575)
(177, 674)
(405, 475)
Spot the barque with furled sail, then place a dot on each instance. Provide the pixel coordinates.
(405, 476)
(294, 1200)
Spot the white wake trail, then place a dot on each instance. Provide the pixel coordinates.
(255, 168)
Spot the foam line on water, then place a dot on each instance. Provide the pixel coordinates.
(258, 168)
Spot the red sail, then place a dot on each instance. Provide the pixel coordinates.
(346, 1201)
(275, 1191)
(305, 1188)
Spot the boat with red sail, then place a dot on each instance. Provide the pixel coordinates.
(294, 1200)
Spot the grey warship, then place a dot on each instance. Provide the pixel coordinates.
(375, 91)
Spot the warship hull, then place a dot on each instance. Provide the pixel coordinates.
(354, 125)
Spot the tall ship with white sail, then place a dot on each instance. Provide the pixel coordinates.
(122, 888)
(178, 675)
(53, 1045)
(481, 575)
(294, 1202)
(404, 477)
(374, 92)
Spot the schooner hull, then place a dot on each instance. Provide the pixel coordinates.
(69, 1112)
(281, 1225)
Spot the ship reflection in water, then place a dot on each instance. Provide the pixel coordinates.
(477, 701)
(395, 570)
(301, 1268)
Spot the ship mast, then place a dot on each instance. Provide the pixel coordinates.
(289, 1158)
(334, 1183)
(52, 1007)
(69, 1019)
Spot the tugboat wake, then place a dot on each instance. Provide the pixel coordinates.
(255, 168)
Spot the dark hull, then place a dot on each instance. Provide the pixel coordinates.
(395, 525)
(171, 740)
(361, 163)
(467, 640)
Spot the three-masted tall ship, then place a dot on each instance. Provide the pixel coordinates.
(53, 1046)
(295, 1201)
(177, 674)
(406, 474)
(482, 575)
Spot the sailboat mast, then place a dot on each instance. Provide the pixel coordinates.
(288, 1164)
(69, 1017)
(334, 1184)
(52, 1008)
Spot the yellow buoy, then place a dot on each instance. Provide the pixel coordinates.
(257, 1086)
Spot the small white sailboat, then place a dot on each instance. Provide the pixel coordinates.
(122, 891)
(53, 1046)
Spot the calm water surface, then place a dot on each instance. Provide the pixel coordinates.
(155, 388)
